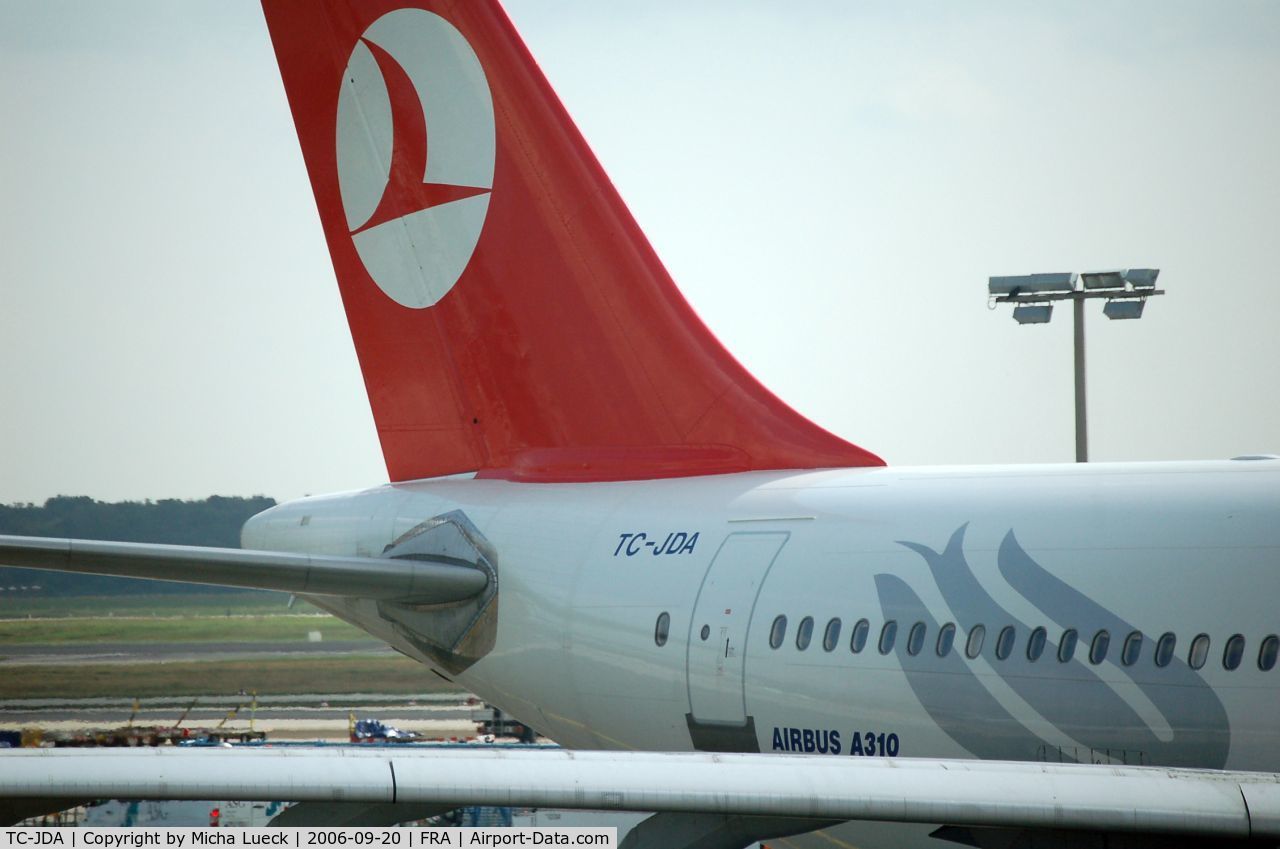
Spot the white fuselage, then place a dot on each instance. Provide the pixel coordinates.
(586, 571)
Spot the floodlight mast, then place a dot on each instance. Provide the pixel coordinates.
(1032, 295)
(1082, 419)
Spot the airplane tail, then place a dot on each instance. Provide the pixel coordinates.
(509, 316)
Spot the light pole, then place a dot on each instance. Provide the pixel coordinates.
(1033, 296)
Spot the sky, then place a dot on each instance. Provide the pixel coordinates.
(830, 184)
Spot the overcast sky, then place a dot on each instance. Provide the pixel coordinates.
(830, 183)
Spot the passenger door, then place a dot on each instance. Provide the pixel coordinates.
(718, 630)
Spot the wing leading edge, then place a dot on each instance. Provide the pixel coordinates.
(408, 581)
(1199, 804)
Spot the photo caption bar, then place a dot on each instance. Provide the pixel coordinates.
(305, 838)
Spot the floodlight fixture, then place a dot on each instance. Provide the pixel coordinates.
(1057, 282)
(1118, 310)
(1142, 278)
(1102, 279)
(1033, 313)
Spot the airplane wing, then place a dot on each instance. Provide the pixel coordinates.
(409, 581)
(804, 792)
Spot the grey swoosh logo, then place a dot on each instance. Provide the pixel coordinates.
(1070, 696)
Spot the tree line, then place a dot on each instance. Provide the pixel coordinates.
(213, 521)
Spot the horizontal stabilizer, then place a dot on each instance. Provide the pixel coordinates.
(385, 579)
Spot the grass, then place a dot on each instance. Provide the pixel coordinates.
(184, 629)
(277, 676)
(238, 617)
(23, 607)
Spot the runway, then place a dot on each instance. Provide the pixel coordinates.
(315, 717)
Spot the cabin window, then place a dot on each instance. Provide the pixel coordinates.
(1234, 652)
(1267, 653)
(1035, 644)
(1067, 645)
(804, 633)
(946, 638)
(831, 636)
(1132, 648)
(915, 640)
(859, 639)
(778, 632)
(1199, 651)
(1004, 642)
(662, 629)
(1098, 648)
(887, 635)
(973, 647)
(1164, 648)
(706, 632)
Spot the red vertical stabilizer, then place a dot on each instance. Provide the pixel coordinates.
(509, 315)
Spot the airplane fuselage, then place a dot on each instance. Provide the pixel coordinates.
(648, 615)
